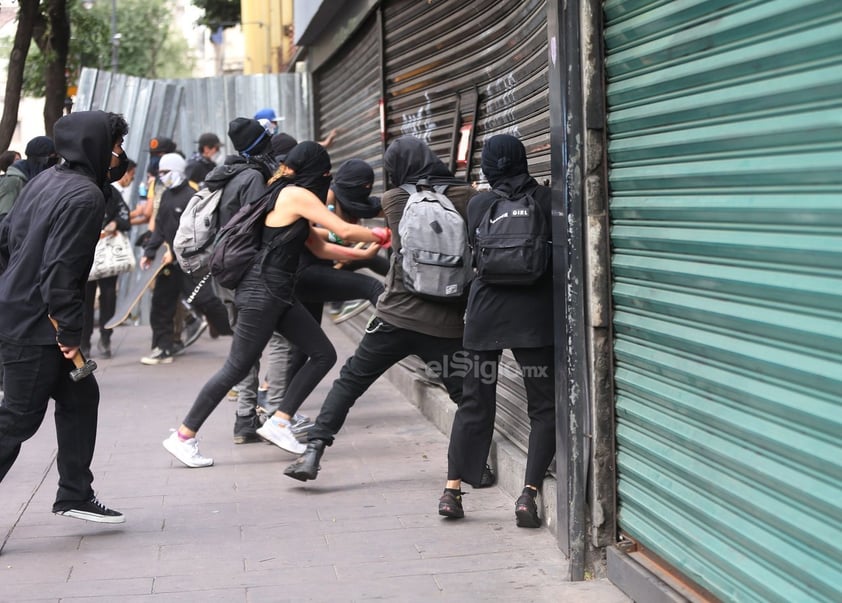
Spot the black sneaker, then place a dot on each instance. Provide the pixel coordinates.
(526, 511)
(450, 505)
(89, 510)
(245, 430)
(157, 356)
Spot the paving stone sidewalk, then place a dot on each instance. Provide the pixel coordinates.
(240, 531)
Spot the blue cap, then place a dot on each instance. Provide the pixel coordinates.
(266, 114)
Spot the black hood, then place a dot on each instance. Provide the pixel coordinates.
(83, 139)
(219, 176)
(409, 159)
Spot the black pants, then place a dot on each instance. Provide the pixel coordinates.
(170, 283)
(265, 304)
(33, 375)
(107, 304)
(473, 424)
(319, 283)
(383, 345)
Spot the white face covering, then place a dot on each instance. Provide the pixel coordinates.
(172, 179)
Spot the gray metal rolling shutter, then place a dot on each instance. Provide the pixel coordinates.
(725, 150)
(347, 92)
(437, 50)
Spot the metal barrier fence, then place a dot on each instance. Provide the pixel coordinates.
(184, 109)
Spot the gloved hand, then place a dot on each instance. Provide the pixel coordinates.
(384, 236)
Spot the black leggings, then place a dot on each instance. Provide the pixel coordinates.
(264, 305)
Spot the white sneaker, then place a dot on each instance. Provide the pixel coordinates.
(281, 436)
(186, 451)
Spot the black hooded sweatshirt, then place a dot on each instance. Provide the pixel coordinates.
(47, 241)
(408, 160)
(242, 182)
(502, 317)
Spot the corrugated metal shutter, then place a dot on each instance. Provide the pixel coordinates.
(436, 51)
(348, 98)
(725, 149)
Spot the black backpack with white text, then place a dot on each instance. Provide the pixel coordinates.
(512, 242)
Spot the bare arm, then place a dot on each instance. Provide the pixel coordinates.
(330, 251)
(296, 202)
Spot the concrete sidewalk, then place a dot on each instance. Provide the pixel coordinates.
(241, 531)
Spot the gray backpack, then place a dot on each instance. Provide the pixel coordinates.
(435, 256)
(197, 230)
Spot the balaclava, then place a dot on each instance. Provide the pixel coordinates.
(311, 162)
(503, 157)
(352, 187)
(171, 170)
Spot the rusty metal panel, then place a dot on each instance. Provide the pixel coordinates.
(436, 55)
(347, 92)
(442, 50)
(725, 152)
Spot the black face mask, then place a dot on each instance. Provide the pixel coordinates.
(119, 170)
(319, 186)
(52, 160)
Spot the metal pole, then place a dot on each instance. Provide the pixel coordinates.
(115, 37)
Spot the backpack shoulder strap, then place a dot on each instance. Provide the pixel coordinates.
(409, 188)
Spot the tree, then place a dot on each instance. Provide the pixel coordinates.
(28, 14)
(219, 13)
(44, 54)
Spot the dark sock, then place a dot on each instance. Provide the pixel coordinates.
(454, 492)
(530, 492)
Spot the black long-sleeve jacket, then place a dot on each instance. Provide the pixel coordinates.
(173, 202)
(47, 241)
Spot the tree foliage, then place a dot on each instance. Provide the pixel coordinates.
(147, 46)
(219, 13)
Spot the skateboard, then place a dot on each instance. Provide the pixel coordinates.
(139, 282)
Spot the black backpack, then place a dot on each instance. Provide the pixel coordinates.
(238, 242)
(512, 243)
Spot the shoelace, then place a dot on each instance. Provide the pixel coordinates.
(99, 505)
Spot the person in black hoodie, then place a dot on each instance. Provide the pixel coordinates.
(404, 323)
(47, 248)
(172, 282)
(498, 317)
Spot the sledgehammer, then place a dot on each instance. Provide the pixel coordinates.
(84, 367)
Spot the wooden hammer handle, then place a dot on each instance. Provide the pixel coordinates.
(78, 361)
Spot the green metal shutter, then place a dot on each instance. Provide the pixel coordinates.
(725, 151)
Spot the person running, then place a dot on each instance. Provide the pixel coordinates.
(515, 317)
(47, 247)
(265, 300)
